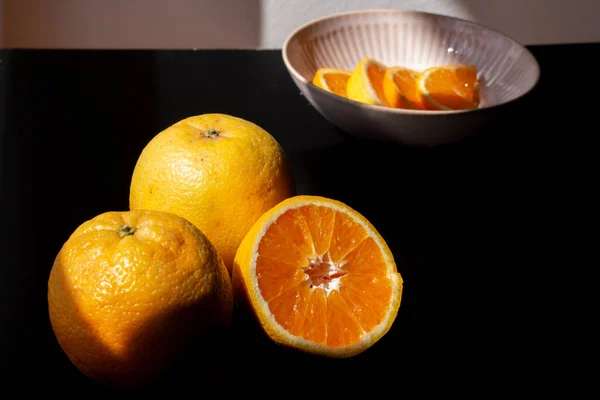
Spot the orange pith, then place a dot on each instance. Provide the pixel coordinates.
(451, 87)
(323, 276)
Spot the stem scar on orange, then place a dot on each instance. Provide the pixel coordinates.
(318, 277)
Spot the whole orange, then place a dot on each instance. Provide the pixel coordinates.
(129, 292)
(218, 171)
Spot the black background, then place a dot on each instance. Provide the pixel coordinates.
(468, 223)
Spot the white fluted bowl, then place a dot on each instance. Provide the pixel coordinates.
(417, 40)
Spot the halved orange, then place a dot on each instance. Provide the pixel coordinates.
(319, 277)
(366, 82)
(333, 80)
(449, 87)
(400, 88)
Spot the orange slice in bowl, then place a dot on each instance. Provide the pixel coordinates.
(366, 82)
(318, 277)
(449, 87)
(333, 80)
(400, 88)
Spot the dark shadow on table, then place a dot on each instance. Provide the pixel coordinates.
(465, 222)
(60, 167)
(456, 223)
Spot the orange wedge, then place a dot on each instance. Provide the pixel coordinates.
(319, 277)
(400, 88)
(450, 87)
(366, 82)
(333, 80)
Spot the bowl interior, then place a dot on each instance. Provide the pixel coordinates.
(414, 40)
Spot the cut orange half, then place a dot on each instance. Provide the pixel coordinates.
(450, 87)
(366, 82)
(400, 88)
(333, 80)
(318, 277)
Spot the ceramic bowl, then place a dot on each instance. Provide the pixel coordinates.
(506, 70)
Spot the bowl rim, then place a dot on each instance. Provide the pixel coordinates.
(403, 111)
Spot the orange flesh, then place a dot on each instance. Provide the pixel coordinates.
(455, 89)
(407, 84)
(337, 83)
(376, 74)
(323, 277)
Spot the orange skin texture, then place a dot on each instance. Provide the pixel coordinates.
(124, 308)
(221, 183)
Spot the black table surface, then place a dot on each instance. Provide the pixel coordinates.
(465, 221)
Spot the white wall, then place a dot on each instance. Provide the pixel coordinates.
(529, 21)
(262, 23)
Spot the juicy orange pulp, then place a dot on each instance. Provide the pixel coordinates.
(337, 83)
(400, 88)
(376, 72)
(452, 87)
(323, 277)
(332, 80)
(445, 87)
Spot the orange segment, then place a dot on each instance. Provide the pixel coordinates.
(320, 221)
(400, 88)
(366, 258)
(367, 315)
(375, 290)
(297, 230)
(277, 244)
(276, 277)
(315, 319)
(342, 327)
(319, 277)
(347, 234)
(366, 82)
(302, 303)
(333, 80)
(283, 307)
(450, 87)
